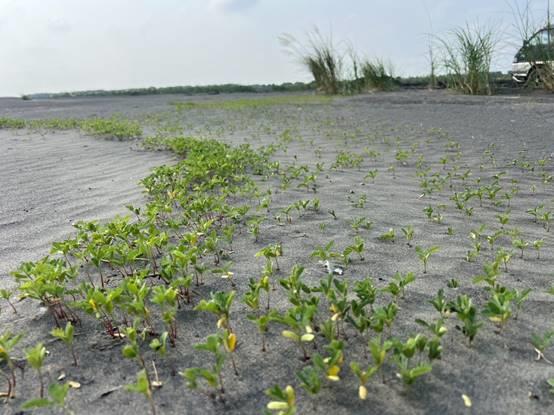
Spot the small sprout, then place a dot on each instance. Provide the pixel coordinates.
(425, 254)
(520, 244)
(35, 357)
(408, 232)
(390, 235)
(57, 396)
(66, 335)
(283, 400)
(538, 245)
(142, 386)
(6, 295)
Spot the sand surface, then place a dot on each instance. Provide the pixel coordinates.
(498, 372)
(50, 181)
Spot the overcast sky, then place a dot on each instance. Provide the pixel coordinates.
(65, 45)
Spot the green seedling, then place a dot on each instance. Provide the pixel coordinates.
(310, 380)
(453, 283)
(143, 387)
(546, 218)
(520, 244)
(537, 245)
(299, 321)
(403, 354)
(383, 317)
(498, 308)
(361, 223)
(324, 252)
(35, 357)
(363, 377)
(213, 376)
(408, 232)
(219, 305)
(541, 342)
(390, 235)
(467, 314)
(8, 341)
(379, 350)
(357, 247)
(536, 212)
(57, 395)
(166, 299)
(490, 274)
(424, 254)
(505, 257)
(504, 219)
(66, 336)
(6, 295)
(438, 329)
(441, 304)
(271, 252)
(283, 400)
(372, 174)
(262, 322)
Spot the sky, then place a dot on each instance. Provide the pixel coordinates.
(69, 45)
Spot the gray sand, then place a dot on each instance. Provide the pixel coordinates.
(50, 181)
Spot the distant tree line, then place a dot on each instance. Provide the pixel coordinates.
(186, 90)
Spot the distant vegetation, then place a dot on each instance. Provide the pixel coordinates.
(113, 127)
(184, 90)
(467, 56)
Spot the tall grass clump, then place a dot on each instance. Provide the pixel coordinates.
(321, 57)
(467, 57)
(377, 75)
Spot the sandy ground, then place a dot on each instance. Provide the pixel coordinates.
(50, 181)
(498, 373)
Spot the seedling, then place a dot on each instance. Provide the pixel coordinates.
(363, 377)
(372, 174)
(6, 295)
(538, 245)
(35, 357)
(379, 350)
(425, 254)
(504, 219)
(467, 314)
(7, 343)
(213, 377)
(166, 299)
(142, 386)
(541, 342)
(520, 244)
(57, 399)
(219, 305)
(505, 257)
(310, 380)
(284, 400)
(299, 320)
(361, 223)
(271, 252)
(66, 335)
(408, 232)
(390, 235)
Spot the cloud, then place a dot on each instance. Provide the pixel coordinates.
(233, 6)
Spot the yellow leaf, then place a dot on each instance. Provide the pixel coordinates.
(290, 335)
(275, 405)
(308, 337)
(467, 401)
(222, 322)
(232, 342)
(74, 385)
(291, 395)
(332, 373)
(335, 317)
(362, 392)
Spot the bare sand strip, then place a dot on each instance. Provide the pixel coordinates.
(50, 181)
